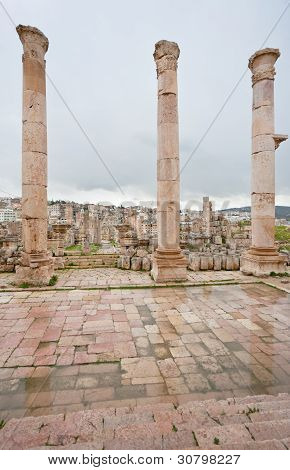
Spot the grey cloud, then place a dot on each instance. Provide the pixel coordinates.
(100, 58)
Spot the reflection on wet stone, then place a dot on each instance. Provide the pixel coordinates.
(187, 341)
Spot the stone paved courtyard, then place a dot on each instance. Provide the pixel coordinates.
(113, 277)
(71, 350)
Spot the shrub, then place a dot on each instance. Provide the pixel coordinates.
(53, 280)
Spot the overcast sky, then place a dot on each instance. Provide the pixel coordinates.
(100, 59)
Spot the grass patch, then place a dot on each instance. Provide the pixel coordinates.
(94, 247)
(53, 280)
(216, 441)
(24, 285)
(282, 233)
(174, 428)
(285, 247)
(2, 423)
(73, 248)
(108, 361)
(244, 223)
(273, 274)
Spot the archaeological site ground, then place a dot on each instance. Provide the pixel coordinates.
(144, 328)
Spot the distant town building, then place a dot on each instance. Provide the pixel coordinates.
(7, 215)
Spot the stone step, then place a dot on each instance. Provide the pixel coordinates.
(82, 259)
(93, 255)
(273, 444)
(97, 260)
(226, 424)
(260, 422)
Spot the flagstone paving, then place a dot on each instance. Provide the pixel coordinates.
(113, 277)
(72, 350)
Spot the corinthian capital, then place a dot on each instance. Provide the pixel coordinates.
(35, 43)
(262, 64)
(166, 56)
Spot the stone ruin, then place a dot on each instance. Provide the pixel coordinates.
(135, 253)
(219, 247)
(217, 244)
(10, 246)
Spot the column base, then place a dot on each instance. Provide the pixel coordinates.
(169, 266)
(262, 261)
(34, 269)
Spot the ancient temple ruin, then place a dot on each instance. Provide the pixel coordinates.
(156, 240)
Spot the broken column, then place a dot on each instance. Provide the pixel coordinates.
(36, 266)
(168, 262)
(263, 258)
(97, 230)
(206, 216)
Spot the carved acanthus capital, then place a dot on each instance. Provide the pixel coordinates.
(267, 74)
(166, 56)
(35, 43)
(262, 64)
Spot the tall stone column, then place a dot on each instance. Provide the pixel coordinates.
(168, 262)
(97, 230)
(36, 265)
(206, 213)
(262, 257)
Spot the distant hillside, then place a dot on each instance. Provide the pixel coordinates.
(281, 212)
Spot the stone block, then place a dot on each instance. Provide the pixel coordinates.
(136, 263)
(217, 262)
(204, 263)
(146, 264)
(125, 262)
(210, 262)
(194, 262)
(34, 138)
(236, 262)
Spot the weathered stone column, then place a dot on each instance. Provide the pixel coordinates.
(262, 257)
(36, 266)
(206, 213)
(97, 230)
(168, 262)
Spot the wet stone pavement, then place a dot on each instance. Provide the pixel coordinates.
(113, 277)
(65, 351)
